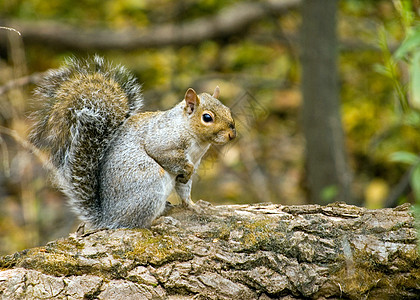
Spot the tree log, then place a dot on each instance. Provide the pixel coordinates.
(261, 251)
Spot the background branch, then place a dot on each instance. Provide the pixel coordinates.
(230, 21)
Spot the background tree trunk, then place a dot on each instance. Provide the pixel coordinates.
(327, 168)
(230, 252)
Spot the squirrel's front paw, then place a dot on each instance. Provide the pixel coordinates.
(186, 174)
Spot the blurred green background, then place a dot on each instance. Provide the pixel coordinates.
(257, 66)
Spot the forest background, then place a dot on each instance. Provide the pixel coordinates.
(253, 51)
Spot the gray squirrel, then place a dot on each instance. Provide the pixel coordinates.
(116, 163)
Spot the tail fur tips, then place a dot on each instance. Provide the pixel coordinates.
(83, 104)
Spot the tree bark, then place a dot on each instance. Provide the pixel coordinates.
(326, 161)
(261, 251)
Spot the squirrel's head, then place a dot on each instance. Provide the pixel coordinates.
(209, 118)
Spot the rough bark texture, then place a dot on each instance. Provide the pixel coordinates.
(230, 252)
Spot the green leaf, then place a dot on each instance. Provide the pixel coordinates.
(381, 69)
(405, 157)
(416, 209)
(411, 42)
(405, 8)
(329, 193)
(415, 182)
(412, 118)
(415, 80)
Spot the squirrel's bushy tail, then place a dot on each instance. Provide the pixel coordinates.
(84, 103)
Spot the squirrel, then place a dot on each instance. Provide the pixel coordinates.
(116, 163)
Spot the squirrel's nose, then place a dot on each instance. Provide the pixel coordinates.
(232, 134)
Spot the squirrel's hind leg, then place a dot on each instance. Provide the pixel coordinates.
(134, 193)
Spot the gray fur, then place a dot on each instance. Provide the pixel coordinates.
(116, 164)
(142, 158)
(88, 131)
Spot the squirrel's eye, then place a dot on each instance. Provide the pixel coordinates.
(207, 118)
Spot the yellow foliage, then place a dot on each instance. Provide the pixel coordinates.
(375, 193)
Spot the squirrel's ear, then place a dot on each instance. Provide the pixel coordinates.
(216, 92)
(191, 100)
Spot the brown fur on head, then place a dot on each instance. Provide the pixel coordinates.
(210, 120)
